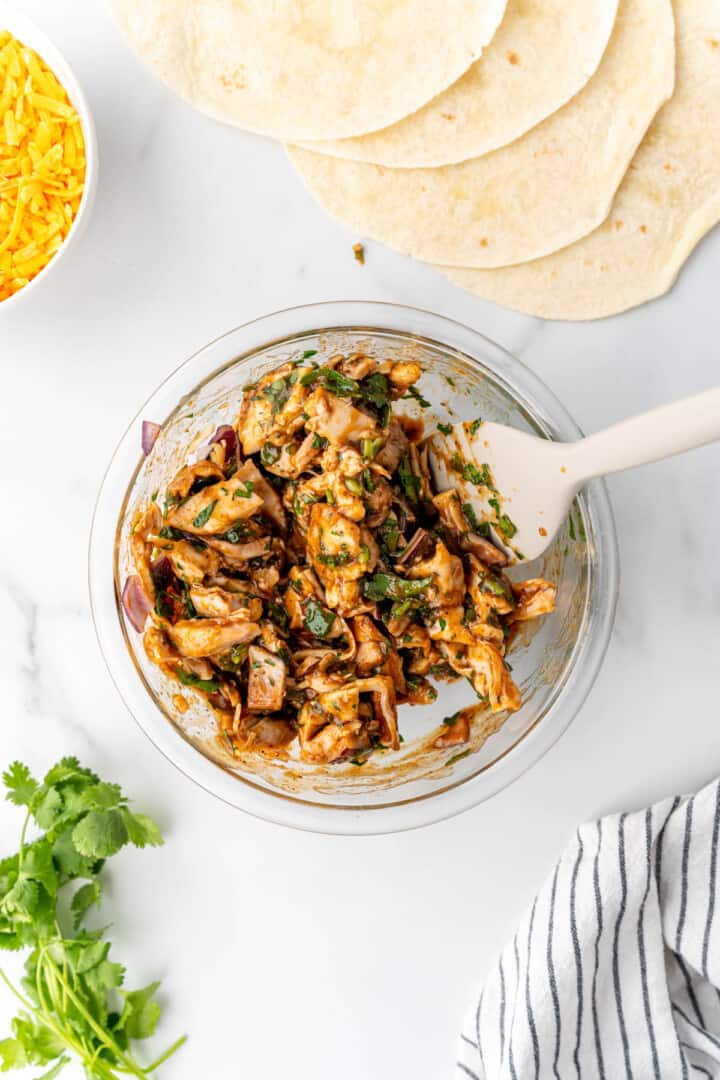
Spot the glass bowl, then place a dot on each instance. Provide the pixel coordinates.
(554, 662)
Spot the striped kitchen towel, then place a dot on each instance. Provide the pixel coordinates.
(615, 970)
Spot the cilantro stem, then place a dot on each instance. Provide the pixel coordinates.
(51, 987)
(68, 997)
(65, 967)
(16, 992)
(43, 1019)
(163, 1057)
(132, 1067)
(95, 1062)
(23, 833)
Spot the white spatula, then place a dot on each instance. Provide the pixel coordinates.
(521, 487)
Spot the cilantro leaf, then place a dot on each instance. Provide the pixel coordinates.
(32, 1044)
(140, 1012)
(278, 393)
(69, 769)
(481, 477)
(270, 453)
(471, 517)
(20, 783)
(376, 389)
(507, 527)
(71, 984)
(370, 447)
(205, 514)
(100, 833)
(317, 618)
(38, 865)
(69, 862)
(189, 678)
(142, 830)
(47, 806)
(13, 1054)
(391, 587)
(503, 522)
(23, 899)
(410, 482)
(334, 381)
(413, 392)
(87, 896)
(458, 757)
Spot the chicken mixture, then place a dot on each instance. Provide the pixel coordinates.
(305, 577)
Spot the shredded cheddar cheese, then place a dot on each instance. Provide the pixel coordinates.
(42, 164)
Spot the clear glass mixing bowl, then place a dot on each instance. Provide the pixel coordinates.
(464, 376)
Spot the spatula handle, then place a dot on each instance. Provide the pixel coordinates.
(670, 429)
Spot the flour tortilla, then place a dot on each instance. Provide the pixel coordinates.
(309, 69)
(537, 195)
(669, 199)
(543, 54)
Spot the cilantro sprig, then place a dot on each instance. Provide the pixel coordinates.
(390, 586)
(317, 618)
(73, 998)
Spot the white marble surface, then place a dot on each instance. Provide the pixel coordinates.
(282, 953)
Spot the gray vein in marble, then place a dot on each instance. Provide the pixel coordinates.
(38, 696)
(531, 330)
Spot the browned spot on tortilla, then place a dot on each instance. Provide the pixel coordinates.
(448, 116)
(235, 79)
(643, 228)
(619, 225)
(714, 43)
(668, 167)
(563, 469)
(542, 531)
(484, 241)
(513, 58)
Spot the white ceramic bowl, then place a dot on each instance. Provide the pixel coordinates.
(26, 31)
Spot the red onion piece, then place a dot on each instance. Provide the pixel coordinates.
(150, 433)
(484, 550)
(226, 435)
(414, 545)
(135, 602)
(163, 574)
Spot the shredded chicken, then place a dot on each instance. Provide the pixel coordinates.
(190, 564)
(337, 420)
(217, 507)
(533, 598)
(208, 637)
(179, 487)
(266, 680)
(305, 577)
(214, 602)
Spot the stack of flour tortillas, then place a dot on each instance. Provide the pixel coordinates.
(561, 157)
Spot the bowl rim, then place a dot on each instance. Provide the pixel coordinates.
(28, 32)
(277, 807)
